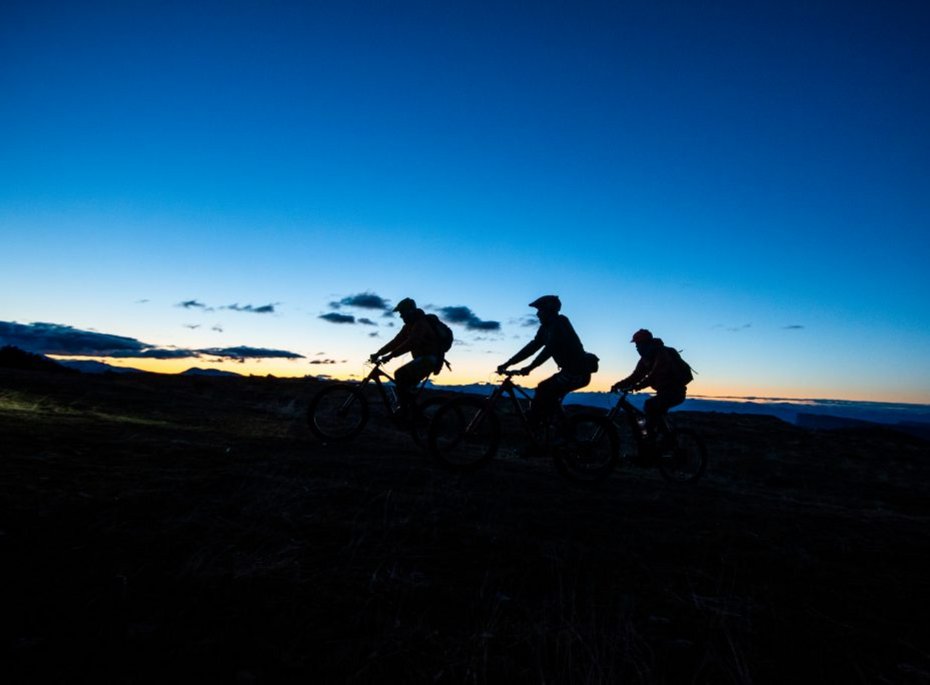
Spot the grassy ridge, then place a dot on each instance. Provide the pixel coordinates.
(189, 527)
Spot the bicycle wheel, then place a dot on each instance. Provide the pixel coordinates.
(592, 450)
(681, 456)
(338, 412)
(426, 410)
(464, 433)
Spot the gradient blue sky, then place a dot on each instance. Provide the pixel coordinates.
(751, 181)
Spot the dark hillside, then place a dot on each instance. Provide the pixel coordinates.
(15, 358)
(166, 528)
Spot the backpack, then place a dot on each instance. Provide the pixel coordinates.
(443, 333)
(678, 368)
(591, 361)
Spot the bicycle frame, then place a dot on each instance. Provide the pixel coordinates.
(633, 417)
(376, 375)
(508, 387)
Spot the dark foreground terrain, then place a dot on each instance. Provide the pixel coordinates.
(158, 529)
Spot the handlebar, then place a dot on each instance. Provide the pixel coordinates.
(623, 393)
(510, 373)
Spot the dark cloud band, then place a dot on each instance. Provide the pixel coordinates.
(264, 309)
(244, 352)
(67, 341)
(336, 317)
(466, 317)
(366, 300)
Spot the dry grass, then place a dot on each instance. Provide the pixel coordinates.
(213, 539)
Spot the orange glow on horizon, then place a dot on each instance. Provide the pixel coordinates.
(462, 375)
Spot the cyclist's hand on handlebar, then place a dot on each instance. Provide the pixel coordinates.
(522, 372)
(502, 369)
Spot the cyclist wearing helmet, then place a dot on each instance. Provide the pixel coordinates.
(419, 338)
(558, 340)
(660, 368)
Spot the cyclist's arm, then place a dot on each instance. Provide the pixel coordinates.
(396, 345)
(635, 380)
(650, 368)
(541, 359)
(528, 349)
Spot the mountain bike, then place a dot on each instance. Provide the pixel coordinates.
(678, 453)
(340, 411)
(465, 433)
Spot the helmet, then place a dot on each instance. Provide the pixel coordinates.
(641, 336)
(405, 305)
(550, 303)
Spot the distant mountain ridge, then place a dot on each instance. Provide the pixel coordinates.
(91, 366)
(814, 413)
(907, 417)
(15, 358)
(215, 373)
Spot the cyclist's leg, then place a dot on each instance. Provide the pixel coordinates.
(569, 383)
(551, 392)
(408, 376)
(657, 406)
(545, 401)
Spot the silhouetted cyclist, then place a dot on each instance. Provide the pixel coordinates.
(558, 340)
(422, 338)
(660, 368)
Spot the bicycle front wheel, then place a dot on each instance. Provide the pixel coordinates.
(682, 456)
(592, 451)
(464, 434)
(338, 412)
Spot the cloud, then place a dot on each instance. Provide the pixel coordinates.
(336, 317)
(67, 341)
(793, 327)
(53, 338)
(323, 361)
(264, 309)
(217, 328)
(465, 316)
(733, 329)
(367, 322)
(244, 352)
(248, 308)
(192, 326)
(152, 353)
(374, 334)
(366, 300)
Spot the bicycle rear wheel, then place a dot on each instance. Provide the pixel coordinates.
(338, 412)
(592, 451)
(464, 433)
(681, 456)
